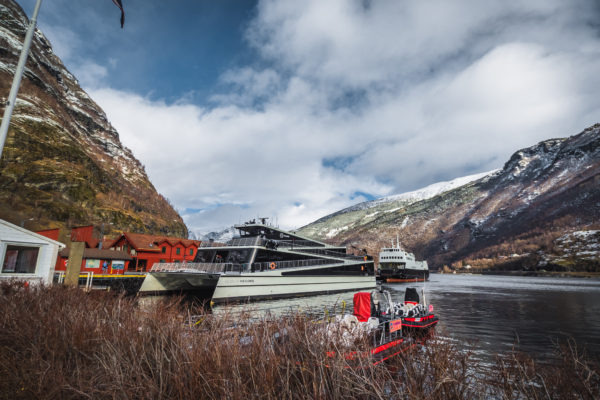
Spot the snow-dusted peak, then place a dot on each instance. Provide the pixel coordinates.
(436, 188)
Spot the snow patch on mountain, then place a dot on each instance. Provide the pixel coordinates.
(335, 231)
(436, 188)
(218, 236)
(404, 222)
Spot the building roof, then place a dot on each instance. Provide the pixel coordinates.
(101, 254)
(107, 243)
(32, 234)
(146, 242)
(50, 233)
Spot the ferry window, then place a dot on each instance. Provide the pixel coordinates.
(162, 261)
(164, 249)
(178, 251)
(20, 259)
(205, 256)
(238, 256)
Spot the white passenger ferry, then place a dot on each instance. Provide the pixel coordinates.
(264, 262)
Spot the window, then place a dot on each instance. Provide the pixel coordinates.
(164, 249)
(20, 259)
(178, 251)
(162, 261)
(191, 252)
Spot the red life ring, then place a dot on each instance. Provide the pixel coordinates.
(273, 265)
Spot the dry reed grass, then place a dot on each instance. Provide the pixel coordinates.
(61, 343)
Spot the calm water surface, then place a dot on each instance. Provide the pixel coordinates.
(491, 314)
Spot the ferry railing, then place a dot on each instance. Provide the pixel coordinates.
(260, 241)
(262, 266)
(237, 242)
(332, 254)
(217, 268)
(297, 243)
(182, 267)
(247, 241)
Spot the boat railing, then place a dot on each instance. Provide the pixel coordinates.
(218, 268)
(386, 333)
(247, 241)
(237, 242)
(297, 243)
(263, 266)
(211, 268)
(212, 244)
(332, 254)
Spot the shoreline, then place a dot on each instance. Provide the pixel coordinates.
(555, 274)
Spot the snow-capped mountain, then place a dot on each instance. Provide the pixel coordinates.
(359, 214)
(63, 162)
(222, 236)
(542, 193)
(434, 189)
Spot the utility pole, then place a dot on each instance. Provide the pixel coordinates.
(12, 97)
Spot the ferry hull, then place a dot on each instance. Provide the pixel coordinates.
(408, 280)
(404, 276)
(252, 286)
(187, 284)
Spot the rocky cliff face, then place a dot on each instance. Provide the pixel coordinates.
(63, 163)
(514, 216)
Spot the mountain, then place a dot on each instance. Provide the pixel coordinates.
(512, 218)
(63, 163)
(222, 236)
(362, 213)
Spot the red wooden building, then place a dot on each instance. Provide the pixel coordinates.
(98, 261)
(127, 252)
(146, 250)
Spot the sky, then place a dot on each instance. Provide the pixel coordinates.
(296, 109)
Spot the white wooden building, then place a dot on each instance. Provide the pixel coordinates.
(25, 255)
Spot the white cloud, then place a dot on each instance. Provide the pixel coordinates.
(256, 162)
(89, 73)
(379, 99)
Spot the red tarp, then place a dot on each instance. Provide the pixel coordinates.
(362, 306)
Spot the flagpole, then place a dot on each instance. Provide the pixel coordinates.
(12, 97)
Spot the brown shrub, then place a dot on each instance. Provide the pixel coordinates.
(62, 343)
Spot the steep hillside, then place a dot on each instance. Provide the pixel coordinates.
(361, 214)
(511, 218)
(63, 163)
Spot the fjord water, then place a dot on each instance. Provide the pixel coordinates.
(490, 314)
(497, 313)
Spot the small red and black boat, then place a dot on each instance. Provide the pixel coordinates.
(388, 326)
(417, 317)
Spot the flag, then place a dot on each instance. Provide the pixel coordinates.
(119, 4)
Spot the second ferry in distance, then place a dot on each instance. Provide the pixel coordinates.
(397, 265)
